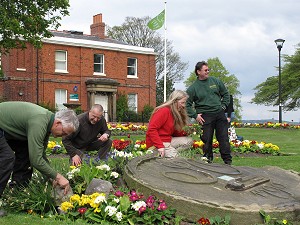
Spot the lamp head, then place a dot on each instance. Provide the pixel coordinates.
(279, 43)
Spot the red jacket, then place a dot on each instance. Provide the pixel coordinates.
(161, 128)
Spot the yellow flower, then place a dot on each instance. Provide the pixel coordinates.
(97, 210)
(284, 221)
(72, 167)
(65, 206)
(75, 198)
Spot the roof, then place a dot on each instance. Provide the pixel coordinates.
(76, 38)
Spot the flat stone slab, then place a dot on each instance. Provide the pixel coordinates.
(198, 189)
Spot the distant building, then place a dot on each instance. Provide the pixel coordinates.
(73, 69)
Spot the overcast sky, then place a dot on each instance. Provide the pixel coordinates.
(240, 33)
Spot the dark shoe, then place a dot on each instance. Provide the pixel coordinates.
(228, 163)
(2, 213)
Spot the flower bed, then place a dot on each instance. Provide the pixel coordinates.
(118, 208)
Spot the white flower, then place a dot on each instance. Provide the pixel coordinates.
(114, 174)
(111, 210)
(120, 153)
(116, 200)
(103, 167)
(261, 145)
(149, 151)
(137, 205)
(136, 146)
(119, 216)
(140, 153)
(70, 174)
(100, 198)
(128, 155)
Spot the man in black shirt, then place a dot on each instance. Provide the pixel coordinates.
(93, 134)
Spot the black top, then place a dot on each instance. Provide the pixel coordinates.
(85, 135)
(230, 108)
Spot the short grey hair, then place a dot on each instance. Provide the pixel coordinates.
(68, 118)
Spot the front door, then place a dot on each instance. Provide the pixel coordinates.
(102, 100)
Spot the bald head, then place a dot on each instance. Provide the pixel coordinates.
(95, 113)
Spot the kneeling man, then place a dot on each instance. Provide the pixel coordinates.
(93, 134)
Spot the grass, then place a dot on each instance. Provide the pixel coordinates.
(287, 140)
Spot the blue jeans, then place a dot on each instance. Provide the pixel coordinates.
(216, 122)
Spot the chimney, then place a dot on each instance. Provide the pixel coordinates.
(98, 27)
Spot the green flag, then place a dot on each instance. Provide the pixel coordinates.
(157, 22)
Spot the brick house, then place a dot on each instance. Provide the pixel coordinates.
(73, 69)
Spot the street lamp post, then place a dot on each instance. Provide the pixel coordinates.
(279, 44)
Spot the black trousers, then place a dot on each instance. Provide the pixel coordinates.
(102, 147)
(218, 123)
(14, 162)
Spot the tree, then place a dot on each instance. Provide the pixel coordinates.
(217, 69)
(267, 93)
(135, 31)
(160, 89)
(28, 21)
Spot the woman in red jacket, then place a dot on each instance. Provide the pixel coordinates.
(165, 131)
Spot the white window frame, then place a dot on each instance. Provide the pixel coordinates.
(132, 102)
(63, 61)
(101, 64)
(132, 66)
(60, 99)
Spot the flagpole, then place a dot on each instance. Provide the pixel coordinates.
(165, 58)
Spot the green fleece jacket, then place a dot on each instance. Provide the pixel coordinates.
(206, 96)
(27, 121)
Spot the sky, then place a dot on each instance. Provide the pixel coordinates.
(240, 33)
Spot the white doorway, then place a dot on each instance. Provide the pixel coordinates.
(103, 100)
(60, 98)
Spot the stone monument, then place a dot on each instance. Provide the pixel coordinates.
(198, 189)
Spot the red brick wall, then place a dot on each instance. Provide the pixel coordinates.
(80, 68)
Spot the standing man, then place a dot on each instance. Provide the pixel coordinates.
(208, 98)
(93, 134)
(24, 133)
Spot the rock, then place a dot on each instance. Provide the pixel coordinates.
(99, 186)
(59, 196)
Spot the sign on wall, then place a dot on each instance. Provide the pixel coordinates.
(74, 97)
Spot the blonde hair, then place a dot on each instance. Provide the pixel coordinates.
(180, 117)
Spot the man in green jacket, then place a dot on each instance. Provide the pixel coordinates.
(208, 98)
(24, 133)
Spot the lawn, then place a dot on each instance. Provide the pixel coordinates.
(287, 140)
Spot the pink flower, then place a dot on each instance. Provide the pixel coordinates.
(133, 196)
(119, 193)
(162, 206)
(142, 209)
(150, 201)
